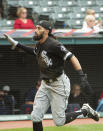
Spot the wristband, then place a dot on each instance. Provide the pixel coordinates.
(12, 41)
(80, 72)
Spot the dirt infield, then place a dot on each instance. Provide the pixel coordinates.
(27, 124)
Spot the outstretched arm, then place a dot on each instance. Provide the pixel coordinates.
(26, 49)
(15, 44)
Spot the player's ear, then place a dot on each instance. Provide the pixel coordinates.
(47, 31)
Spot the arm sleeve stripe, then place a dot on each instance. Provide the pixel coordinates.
(67, 55)
(34, 52)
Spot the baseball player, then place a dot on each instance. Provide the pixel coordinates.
(55, 85)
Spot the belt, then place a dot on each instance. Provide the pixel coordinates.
(49, 80)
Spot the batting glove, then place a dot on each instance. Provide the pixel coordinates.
(13, 42)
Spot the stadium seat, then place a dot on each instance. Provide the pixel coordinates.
(6, 23)
(79, 9)
(68, 3)
(101, 15)
(48, 3)
(52, 3)
(62, 16)
(98, 15)
(12, 2)
(99, 2)
(101, 9)
(47, 9)
(32, 3)
(77, 15)
(10, 22)
(37, 9)
(97, 9)
(23, 3)
(62, 9)
(43, 17)
(59, 24)
(86, 3)
(75, 23)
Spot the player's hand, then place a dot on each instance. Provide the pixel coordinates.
(11, 41)
(85, 86)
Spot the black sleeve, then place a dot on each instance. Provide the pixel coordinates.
(27, 49)
(62, 52)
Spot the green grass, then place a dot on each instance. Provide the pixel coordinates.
(94, 127)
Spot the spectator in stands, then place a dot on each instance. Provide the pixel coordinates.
(1, 8)
(90, 20)
(101, 96)
(29, 100)
(76, 99)
(31, 93)
(98, 23)
(2, 103)
(8, 99)
(22, 22)
(100, 103)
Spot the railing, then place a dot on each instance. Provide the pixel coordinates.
(66, 36)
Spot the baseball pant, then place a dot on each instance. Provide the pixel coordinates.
(54, 94)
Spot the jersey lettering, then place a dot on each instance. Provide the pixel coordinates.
(47, 60)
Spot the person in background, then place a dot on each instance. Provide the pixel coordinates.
(22, 22)
(101, 96)
(100, 103)
(98, 22)
(31, 93)
(1, 9)
(29, 100)
(90, 20)
(76, 96)
(2, 103)
(9, 99)
(27, 107)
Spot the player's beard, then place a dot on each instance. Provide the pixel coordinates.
(38, 37)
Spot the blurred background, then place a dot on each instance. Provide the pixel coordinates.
(67, 13)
